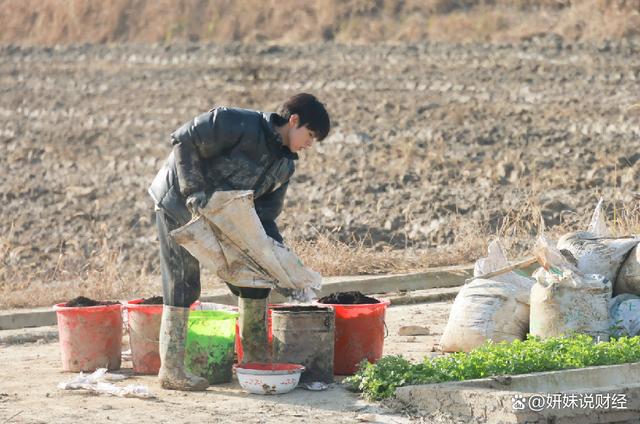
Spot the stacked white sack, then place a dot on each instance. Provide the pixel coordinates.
(573, 291)
(495, 309)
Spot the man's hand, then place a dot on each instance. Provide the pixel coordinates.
(196, 201)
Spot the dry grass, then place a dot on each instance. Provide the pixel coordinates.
(290, 21)
(100, 277)
(332, 257)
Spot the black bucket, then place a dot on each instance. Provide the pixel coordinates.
(305, 335)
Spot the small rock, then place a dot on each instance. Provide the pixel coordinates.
(414, 330)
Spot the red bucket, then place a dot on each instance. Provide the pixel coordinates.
(144, 335)
(359, 335)
(90, 337)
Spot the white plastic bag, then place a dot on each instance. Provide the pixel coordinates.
(625, 315)
(598, 224)
(95, 382)
(495, 309)
(553, 259)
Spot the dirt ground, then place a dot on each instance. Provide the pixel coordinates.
(434, 146)
(30, 374)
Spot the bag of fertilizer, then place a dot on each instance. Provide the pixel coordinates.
(595, 251)
(495, 309)
(564, 301)
(624, 315)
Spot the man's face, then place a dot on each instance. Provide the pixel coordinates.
(300, 137)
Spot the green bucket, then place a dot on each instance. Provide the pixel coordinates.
(210, 342)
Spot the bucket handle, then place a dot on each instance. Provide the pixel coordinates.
(386, 329)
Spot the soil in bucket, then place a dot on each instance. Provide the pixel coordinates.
(81, 302)
(305, 335)
(210, 342)
(154, 300)
(90, 335)
(347, 298)
(359, 330)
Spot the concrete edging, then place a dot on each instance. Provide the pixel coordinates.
(505, 398)
(440, 277)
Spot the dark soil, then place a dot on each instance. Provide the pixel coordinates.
(154, 300)
(300, 309)
(82, 301)
(348, 298)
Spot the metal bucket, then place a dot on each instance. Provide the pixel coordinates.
(305, 335)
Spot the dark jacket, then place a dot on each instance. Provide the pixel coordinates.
(226, 149)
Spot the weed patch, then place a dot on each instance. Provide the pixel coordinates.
(379, 381)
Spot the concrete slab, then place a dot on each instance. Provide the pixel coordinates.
(442, 277)
(422, 296)
(23, 318)
(604, 394)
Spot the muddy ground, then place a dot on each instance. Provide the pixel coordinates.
(433, 145)
(31, 372)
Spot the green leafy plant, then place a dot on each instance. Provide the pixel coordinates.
(379, 381)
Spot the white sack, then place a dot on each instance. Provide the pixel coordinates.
(595, 251)
(567, 303)
(229, 239)
(496, 309)
(595, 255)
(236, 224)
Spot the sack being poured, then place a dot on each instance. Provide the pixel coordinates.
(228, 238)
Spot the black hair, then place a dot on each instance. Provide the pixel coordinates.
(312, 114)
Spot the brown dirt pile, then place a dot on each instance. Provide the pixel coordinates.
(82, 301)
(154, 300)
(78, 21)
(348, 298)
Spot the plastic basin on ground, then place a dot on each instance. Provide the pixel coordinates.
(268, 379)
